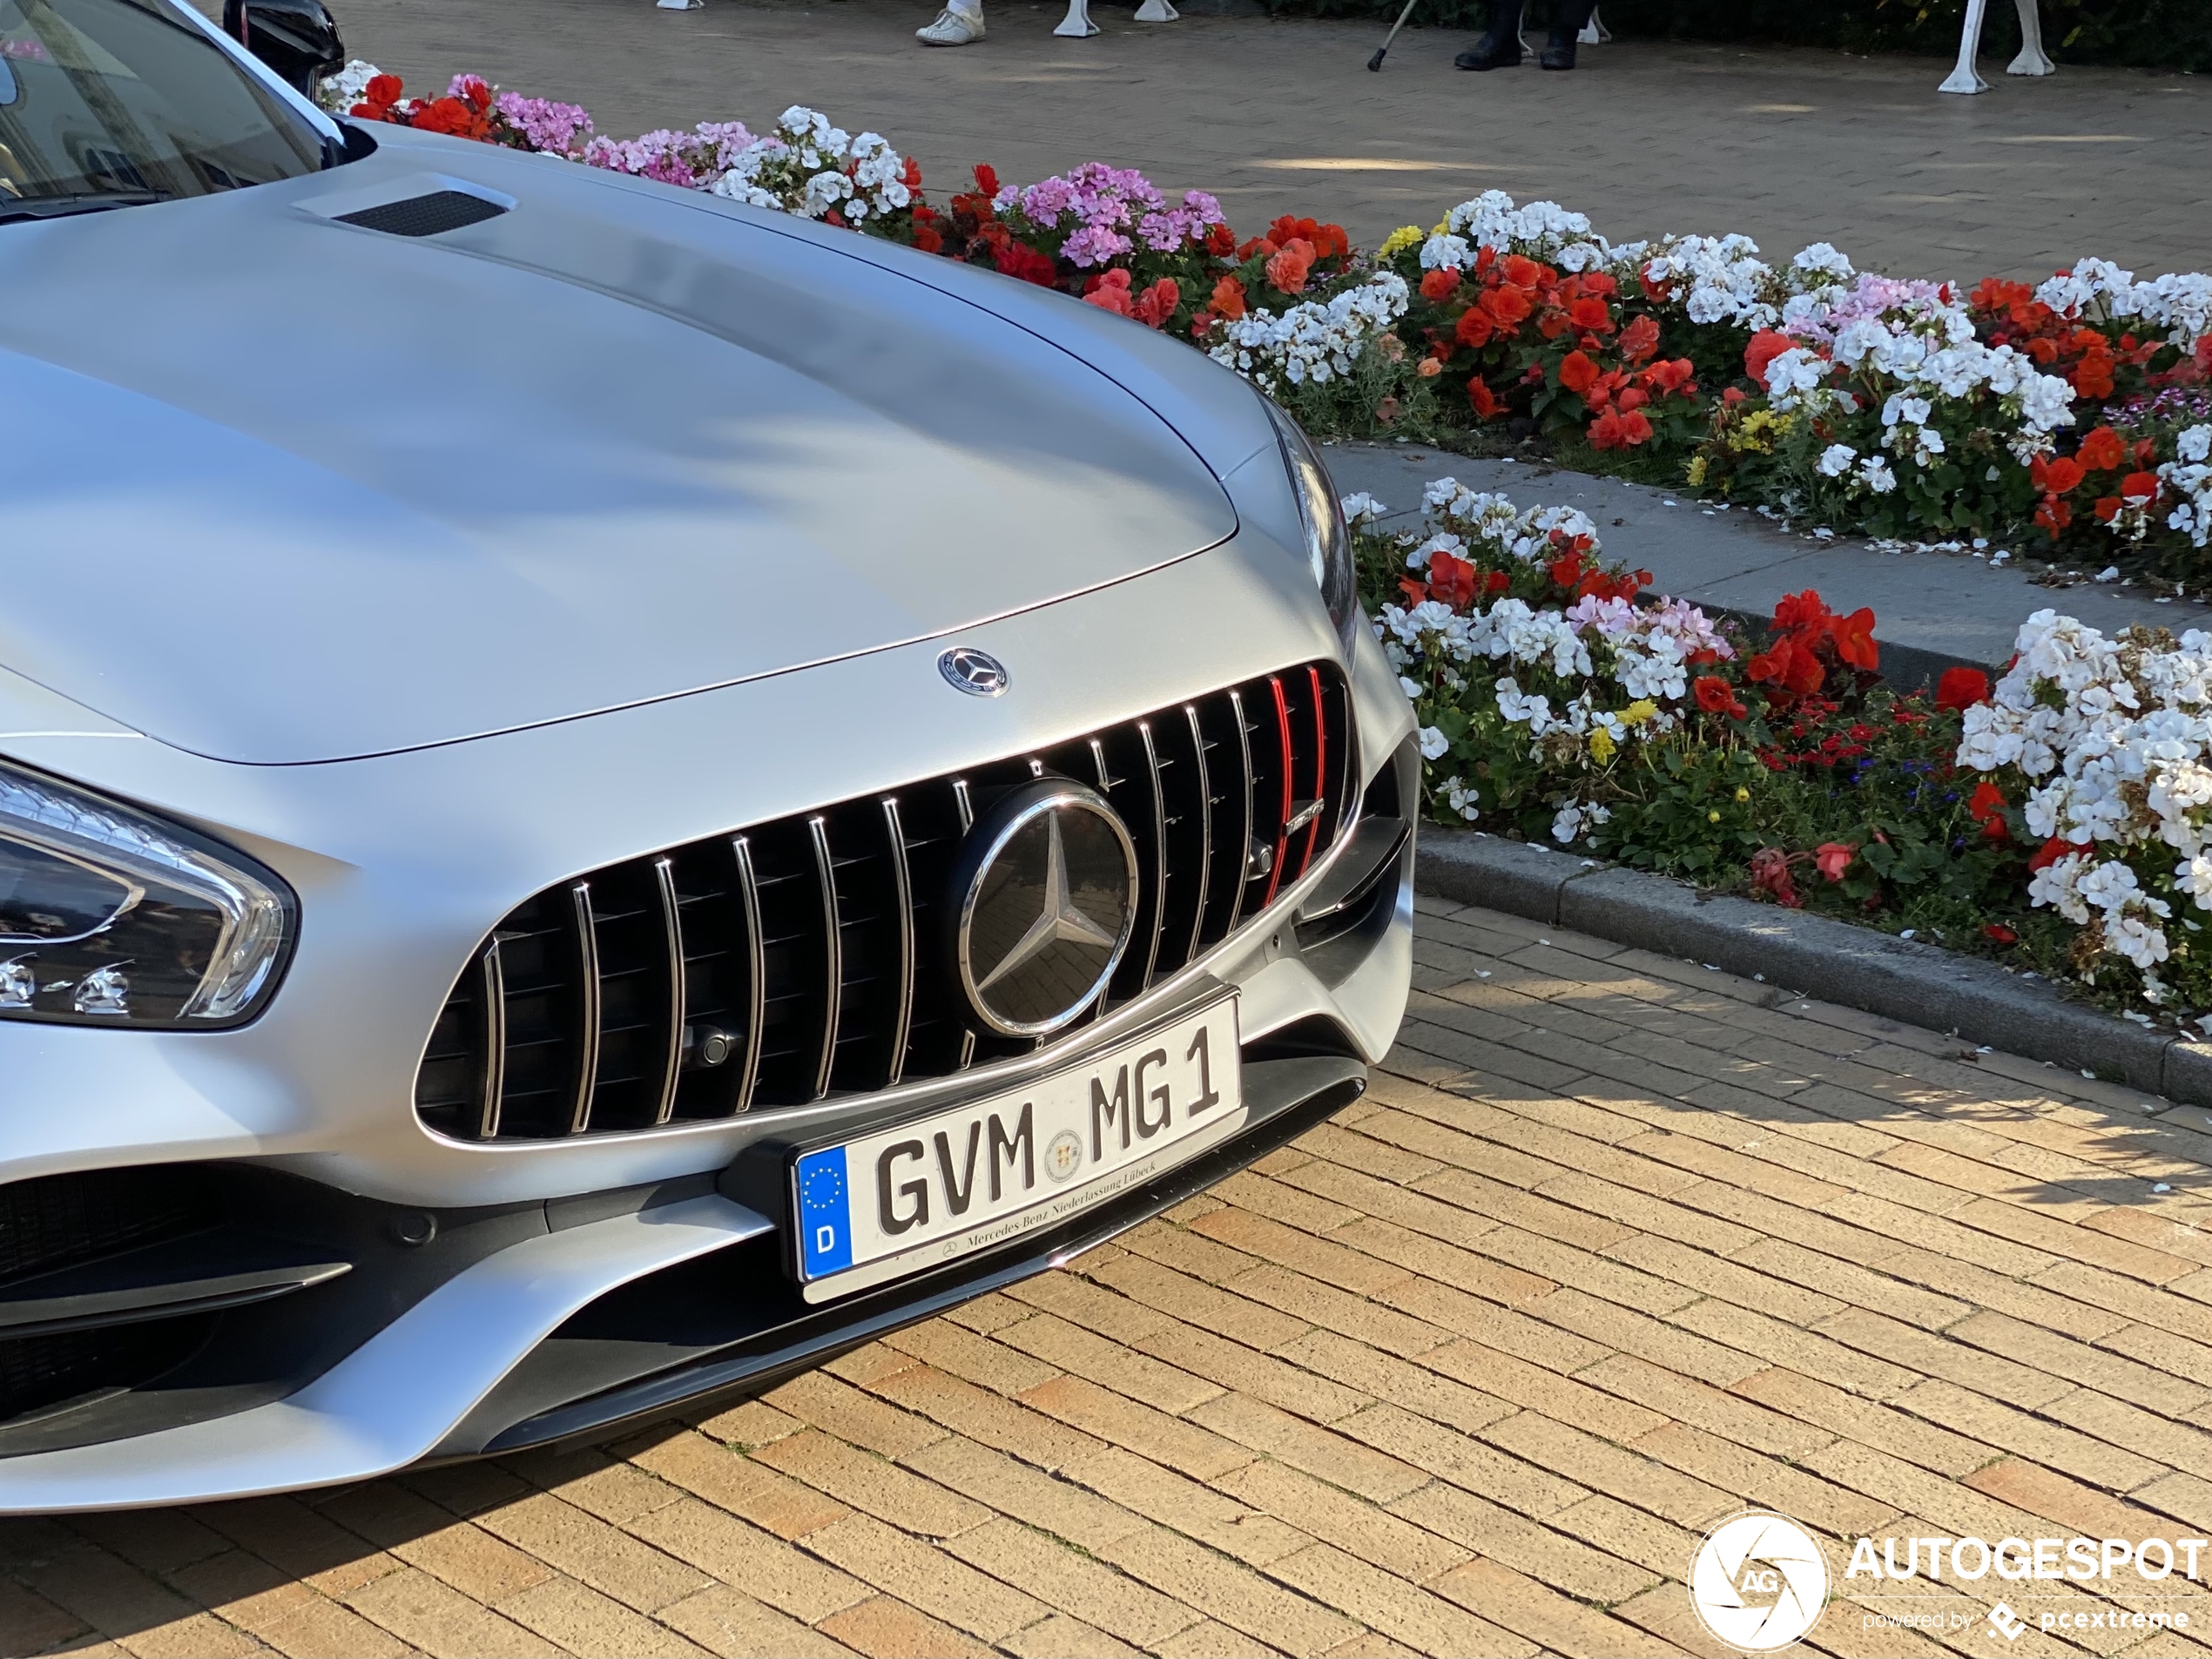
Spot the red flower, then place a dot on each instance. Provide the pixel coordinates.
(2107, 508)
(1833, 858)
(1439, 284)
(1452, 579)
(1228, 298)
(2000, 932)
(1987, 805)
(987, 180)
(1961, 688)
(1157, 303)
(1221, 241)
(1854, 637)
(1507, 307)
(1109, 291)
(2140, 484)
(2055, 476)
(928, 241)
(1639, 339)
(912, 177)
(1474, 328)
(1288, 267)
(1478, 394)
(1019, 259)
(2054, 516)
(2050, 852)
(1771, 874)
(2102, 450)
(1591, 315)
(1670, 376)
(1765, 346)
(1522, 273)
(1715, 695)
(1577, 373)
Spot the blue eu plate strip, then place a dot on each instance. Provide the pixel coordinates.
(825, 1214)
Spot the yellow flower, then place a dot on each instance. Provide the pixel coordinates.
(1712, 817)
(1443, 227)
(1638, 712)
(1697, 472)
(1742, 793)
(1602, 745)
(1403, 237)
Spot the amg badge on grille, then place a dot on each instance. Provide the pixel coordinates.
(1044, 898)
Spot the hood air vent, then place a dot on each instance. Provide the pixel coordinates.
(440, 210)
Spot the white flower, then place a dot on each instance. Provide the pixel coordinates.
(1837, 460)
(2193, 443)
(339, 93)
(1360, 508)
(1434, 744)
(1875, 473)
(1572, 818)
(1446, 252)
(1313, 341)
(1462, 798)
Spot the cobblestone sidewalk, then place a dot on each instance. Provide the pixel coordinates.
(1616, 1246)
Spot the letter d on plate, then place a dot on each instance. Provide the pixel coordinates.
(825, 1223)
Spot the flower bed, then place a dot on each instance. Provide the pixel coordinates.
(2059, 818)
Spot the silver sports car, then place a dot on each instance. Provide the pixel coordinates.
(603, 794)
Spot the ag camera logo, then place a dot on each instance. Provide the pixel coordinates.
(1759, 1581)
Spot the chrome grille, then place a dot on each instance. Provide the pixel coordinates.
(797, 960)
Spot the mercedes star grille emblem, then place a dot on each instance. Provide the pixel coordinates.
(976, 672)
(1045, 897)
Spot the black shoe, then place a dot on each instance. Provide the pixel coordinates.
(1500, 47)
(1488, 54)
(1567, 20)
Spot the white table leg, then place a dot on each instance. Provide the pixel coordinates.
(1963, 78)
(2031, 60)
(1594, 32)
(1077, 23)
(1156, 11)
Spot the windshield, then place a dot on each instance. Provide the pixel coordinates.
(104, 102)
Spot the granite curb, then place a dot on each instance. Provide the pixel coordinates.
(1802, 954)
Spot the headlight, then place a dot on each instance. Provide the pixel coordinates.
(1327, 542)
(109, 917)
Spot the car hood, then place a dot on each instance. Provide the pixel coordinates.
(283, 490)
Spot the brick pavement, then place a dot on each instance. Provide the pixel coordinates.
(1787, 146)
(1616, 1246)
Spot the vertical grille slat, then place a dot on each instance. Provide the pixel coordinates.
(789, 963)
(755, 972)
(894, 835)
(833, 952)
(491, 1083)
(672, 937)
(1280, 811)
(586, 940)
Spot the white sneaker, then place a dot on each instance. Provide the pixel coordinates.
(953, 27)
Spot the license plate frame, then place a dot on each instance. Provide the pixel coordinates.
(1192, 1057)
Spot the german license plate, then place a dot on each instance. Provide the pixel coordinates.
(926, 1193)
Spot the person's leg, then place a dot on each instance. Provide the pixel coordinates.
(1500, 47)
(960, 24)
(1567, 20)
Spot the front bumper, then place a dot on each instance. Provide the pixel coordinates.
(504, 1296)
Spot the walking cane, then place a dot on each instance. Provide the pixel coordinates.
(1375, 62)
